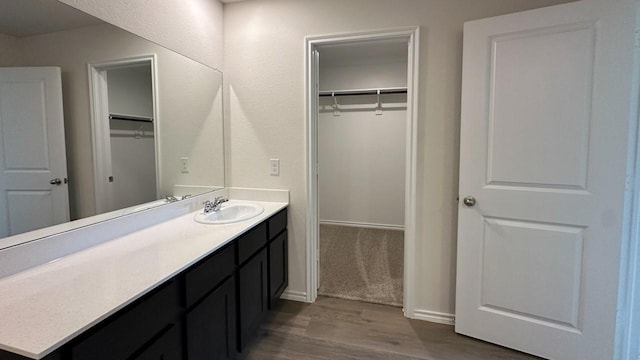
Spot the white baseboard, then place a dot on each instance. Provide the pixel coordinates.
(433, 316)
(362, 225)
(294, 295)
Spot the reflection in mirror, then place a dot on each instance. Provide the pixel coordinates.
(95, 120)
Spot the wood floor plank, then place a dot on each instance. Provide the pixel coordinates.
(342, 329)
(284, 347)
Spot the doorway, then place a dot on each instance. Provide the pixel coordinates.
(336, 104)
(124, 133)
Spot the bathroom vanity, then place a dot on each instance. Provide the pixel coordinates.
(175, 290)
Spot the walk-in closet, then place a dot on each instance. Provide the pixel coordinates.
(131, 131)
(361, 170)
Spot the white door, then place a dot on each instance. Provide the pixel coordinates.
(546, 98)
(32, 150)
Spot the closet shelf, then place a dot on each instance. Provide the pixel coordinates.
(130, 118)
(356, 92)
(131, 133)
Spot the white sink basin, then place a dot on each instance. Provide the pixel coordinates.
(230, 213)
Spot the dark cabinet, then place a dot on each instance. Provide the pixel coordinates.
(278, 267)
(203, 277)
(167, 347)
(128, 332)
(278, 256)
(253, 296)
(211, 325)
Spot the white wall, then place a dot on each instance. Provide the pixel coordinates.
(361, 155)
(351, 76)
(133, 164)
(361, 159)
(10, 50)
(193, 28)
(133, 148)
(264, 71)
(130, 90)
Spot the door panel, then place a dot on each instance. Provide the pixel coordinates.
(37, 206)
(541, 89)
(24, 128)
(544, 128)
(544, 262)
(32, 150)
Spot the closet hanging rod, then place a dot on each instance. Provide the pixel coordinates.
(130, 118)
(382, 91)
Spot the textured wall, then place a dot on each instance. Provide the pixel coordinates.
(264, 71)
(192, 28)
(10, 51)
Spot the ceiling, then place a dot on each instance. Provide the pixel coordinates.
(22, 18)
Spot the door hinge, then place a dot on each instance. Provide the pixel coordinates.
(636, 38)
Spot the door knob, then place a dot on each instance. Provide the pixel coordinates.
(469, 201)
(55, 181)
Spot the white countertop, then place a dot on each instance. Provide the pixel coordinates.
(44, 307)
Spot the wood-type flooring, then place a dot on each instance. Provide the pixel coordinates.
(342, 329)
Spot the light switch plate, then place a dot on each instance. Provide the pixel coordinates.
(184, 165)
(274, 167)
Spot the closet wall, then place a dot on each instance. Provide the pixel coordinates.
(133, 159)
(361, 160)
(362, 154)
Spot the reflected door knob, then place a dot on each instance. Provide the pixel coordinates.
(55, 181)
(469, 201)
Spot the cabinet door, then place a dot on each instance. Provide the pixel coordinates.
(167, 347)
(211, 325)
(253, 296)
(278, 268)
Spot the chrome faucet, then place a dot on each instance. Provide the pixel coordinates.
(171, 198)
(211, 206)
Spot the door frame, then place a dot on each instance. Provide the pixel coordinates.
(99, 108)
(627, 342)
(412, 36)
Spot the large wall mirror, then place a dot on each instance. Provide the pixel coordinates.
(98, 122)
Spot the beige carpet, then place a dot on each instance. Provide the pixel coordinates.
(361, 264)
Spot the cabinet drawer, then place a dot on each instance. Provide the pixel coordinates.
(251, 242)
(132, 327)
(205, 276)
(277, 223)
(166, 347)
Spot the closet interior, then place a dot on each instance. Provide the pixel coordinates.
(132, 138)
(361, 170)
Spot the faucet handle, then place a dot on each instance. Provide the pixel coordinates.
(208, 206)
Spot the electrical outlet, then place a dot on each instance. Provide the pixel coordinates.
(274, 167)
(184, 165)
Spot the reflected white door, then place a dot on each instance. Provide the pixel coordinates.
(546, 98)
(33, 150)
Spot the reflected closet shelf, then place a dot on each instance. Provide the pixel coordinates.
(357, 92)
